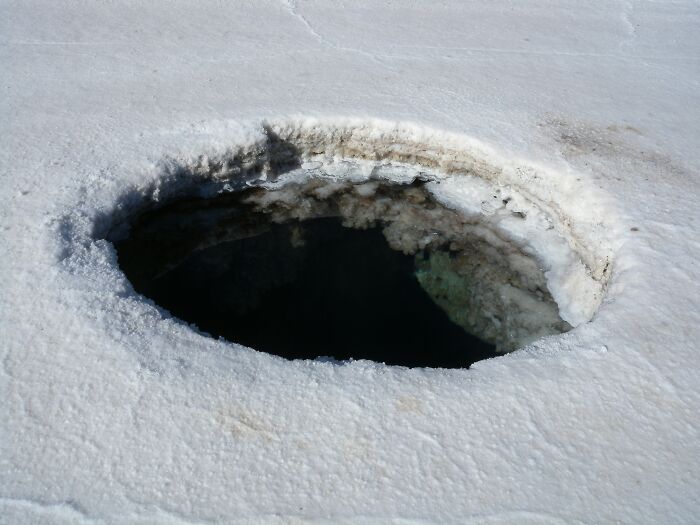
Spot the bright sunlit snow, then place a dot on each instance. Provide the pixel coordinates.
(565, 133)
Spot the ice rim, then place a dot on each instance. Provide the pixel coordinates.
(559, 219)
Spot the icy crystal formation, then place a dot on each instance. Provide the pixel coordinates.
(494, 291)
(497, 292)
(507, 250)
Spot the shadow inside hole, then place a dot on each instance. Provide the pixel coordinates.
(275, 158)
(314, 288)
(370, 270)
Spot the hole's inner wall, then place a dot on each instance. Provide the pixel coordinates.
(325, 267)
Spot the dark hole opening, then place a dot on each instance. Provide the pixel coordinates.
(300, 290)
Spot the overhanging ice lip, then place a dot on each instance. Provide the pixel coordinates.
(445, 274)
(551, 217)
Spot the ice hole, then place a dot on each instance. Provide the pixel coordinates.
(323, 266)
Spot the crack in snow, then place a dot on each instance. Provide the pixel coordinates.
(69, 508)
(626, 17)
(527, 52)
(75, 513)
(291, 6)
(626, 14)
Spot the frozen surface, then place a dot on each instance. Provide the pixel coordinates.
(113, 411)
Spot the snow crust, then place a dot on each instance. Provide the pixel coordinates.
(115, 412)
(534, 209)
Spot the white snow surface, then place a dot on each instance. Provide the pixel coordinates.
(114, 412)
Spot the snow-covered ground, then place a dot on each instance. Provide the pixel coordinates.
(114, 412)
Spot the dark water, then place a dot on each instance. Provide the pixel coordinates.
(308, 289)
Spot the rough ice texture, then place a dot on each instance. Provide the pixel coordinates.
(486, 284)
(489, 285)
(562, 225)
(114, 412)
